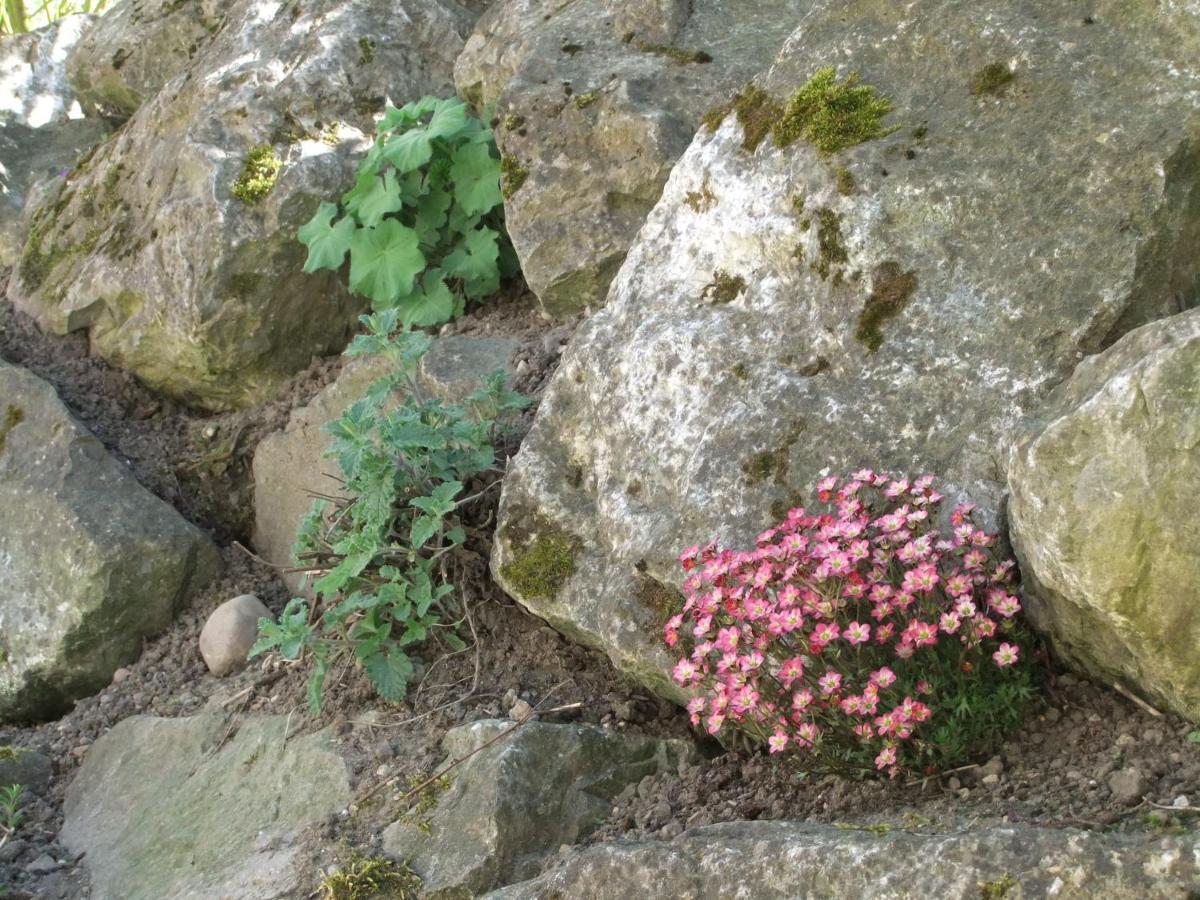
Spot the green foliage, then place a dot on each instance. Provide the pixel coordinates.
(10, 815)
(17, 16)
(424, 223)
(992, 79)
(365, 877)
(259, 172)
(383, 552)
(832, 115)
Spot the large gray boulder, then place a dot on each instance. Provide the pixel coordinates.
(34, 90)
(789, 859)
(522, 797)
(1104, 515)
(595, 101)
(290, 466)
(175, 244)
(91, 563)
(136, 48)
(200, 807)
(899, 304)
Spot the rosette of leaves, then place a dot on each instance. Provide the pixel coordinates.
(382, 553)
(424, 223)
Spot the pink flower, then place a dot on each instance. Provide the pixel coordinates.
(791, 671)
(886, 758)
(829, 682)
(1006, 655)
(825, 633)
(727, 639)
(949, 622)
(802, 699)
(806, 734)
(857, 633)
(714, 723)
(884, 677)
(778, 741)
(685, 672)
(884, 632)
(965, 609)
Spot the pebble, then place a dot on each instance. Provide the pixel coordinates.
(672, 830)
(993, 766)
(1128, 785)
(991, 780)
(520, 710)
(230, 632)
(13, 850)
(120, 675)
(1181, 802)
(43, 865)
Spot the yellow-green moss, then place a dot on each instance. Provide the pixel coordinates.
(366, 877)
(756, 112)
(992, 79)
(702, 199)
(512, 176)
(830, 243)
(832, 115)
(13, 416)
(997, 888)
(661, 599)
(512, 122)
(845, 181)
(541, 567)
(583, 101)
(678, 55)
(891, 289)
(366, 50)
(9, 753)
(740, 371)
(724, 288)
(259, 172)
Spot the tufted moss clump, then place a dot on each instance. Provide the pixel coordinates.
(831, 244)
(845, 181)
(513, 121)
(992, 79)
(512, 176)
(366, 50)
(891, 289)
(724, 288)
(702, 199)
(583, 101)
(9, 753)
(756, 112)
(999, 887)
(661, 599)
(832, 115)
(365, 877)
(13, 416)
(258, 174)
(540, 569)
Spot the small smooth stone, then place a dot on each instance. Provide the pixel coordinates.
(230, 632)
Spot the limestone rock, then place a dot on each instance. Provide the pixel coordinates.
(33, 73)
(777, 318)
(197, 290)
(169, 808)
(31, 160)
(788, 859)
(19, 765)
(1104, 516)
(137, 47)
(230, 632)
(290, 467)
(505, 808)
(91, 563)
(595, 101)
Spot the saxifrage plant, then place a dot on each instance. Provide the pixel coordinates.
(424, 223)
(862, 636)
(382, 553)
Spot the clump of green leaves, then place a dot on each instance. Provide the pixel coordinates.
(832, 115)
(10, 814)
(365, 877)
(424, 222)
(382, 553)
(259, 172)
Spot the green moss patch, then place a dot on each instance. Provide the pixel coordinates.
(702, 199)
(845, 181)
(891, 290)
(992, 79)
(366, 50)
(831, 245)
(832, 115)
(661, 599)
(724, 288)
(259, 172)
(543, 565)
(512, 176)
(583, 101)
(363, 878)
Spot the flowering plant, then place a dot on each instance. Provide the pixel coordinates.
(862, 636)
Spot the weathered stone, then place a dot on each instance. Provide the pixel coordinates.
(1104, 515)
(19, 765)
(91, 563)
(187, 272)
(136, 48)
(595, 102)
(230, 632)
(742, 352)
(787, 859)
(31, 159)
(33, 73)
(290, 467)
(526, 795)
(200, 807)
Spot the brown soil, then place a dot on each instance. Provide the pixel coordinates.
(1057, 771)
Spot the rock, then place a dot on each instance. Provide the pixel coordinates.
(43, 865)
(169, 808)
(1104, 515)
(33, 73)
(182, 276)
(20, 765)
(93, 563)
(31, 160)
(676, 417)
(13, 850)
(289, 465)
(789, 859)
(519, 800)
(595, 102)
(1128, 785)
(136, 48)
(230, 632)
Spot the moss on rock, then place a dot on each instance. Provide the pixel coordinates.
(544, 563)
(259, 172)
(891, 289)
(832, 115)
(512, 176)
(992, 79)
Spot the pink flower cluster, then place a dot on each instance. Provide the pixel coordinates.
(818, 636)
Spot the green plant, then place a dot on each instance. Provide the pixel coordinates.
(17, 16)
(382, 553)
(424, 222)
(10, 815)
(366, 877)
(259, 172)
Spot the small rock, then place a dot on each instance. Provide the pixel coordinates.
(1128, 785)
(520, 710)
(1126, 740)
(646, 787)
(993, 766)
(1181, 802)
(230, 632)
(43, 865)
(13, 850)
(991, 780)
(120, 675)
(671, 830)
(953, 783)
(19, 765)
(625, 710)
(1105, 770)
(661, 812)
(1052, 715)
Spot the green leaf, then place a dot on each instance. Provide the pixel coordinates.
(476, 175)
(409, 151)
(315, 685)
(431, 304)
(384, 260)
(1193, 737)
(381, 198)
(449, 118)
(405, 115)
(441, 502)
(389, 671)
(424, 528)
(431, 217)
(327, 244)
(474, 261)
(455, 642)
